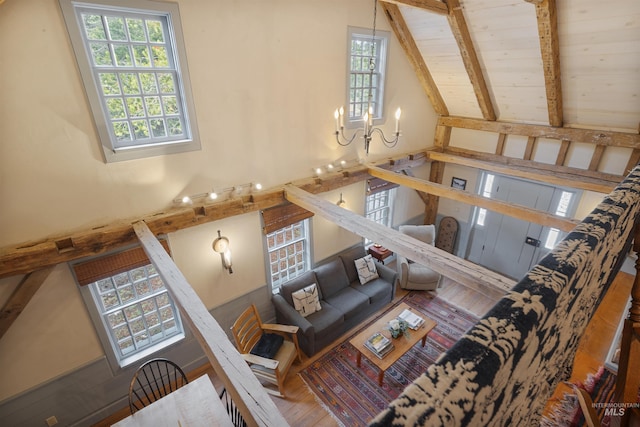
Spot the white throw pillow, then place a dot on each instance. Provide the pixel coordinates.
(366, 269)
(306, 300)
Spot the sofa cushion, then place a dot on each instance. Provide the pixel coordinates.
(377, 290)
(268, 345)
(306, 300)
(349, 301)
(296, 284)
(332, 277)
(348, 257)
(366, 269)
(326, 319)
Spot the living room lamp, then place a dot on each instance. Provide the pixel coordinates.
(221, 246)
(368, 129)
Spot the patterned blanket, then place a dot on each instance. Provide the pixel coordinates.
(504, 369)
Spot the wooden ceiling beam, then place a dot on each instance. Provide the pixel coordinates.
(602, 137)
(20, 297)
(403, 34)
(30, 256)
(460, 31)
(541, 172)
(547, 16)
(257, 408)
(509, 209)
(434, 6)
(462, 271)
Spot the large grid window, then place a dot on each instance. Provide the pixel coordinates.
(378, 208)
(367, 66)
(131, 69)
(136, 310)
(133, 313)
(288, 250)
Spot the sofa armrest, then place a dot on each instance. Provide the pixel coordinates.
(289, 315)
(388, 275)
(403, 270)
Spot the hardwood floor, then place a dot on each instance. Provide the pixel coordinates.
(300, 408)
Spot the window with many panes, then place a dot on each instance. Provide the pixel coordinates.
(133, 67)
(379, 208)
(131, 308)
(367, 67)
(288, 251)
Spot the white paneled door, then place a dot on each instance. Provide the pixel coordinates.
(506, 244)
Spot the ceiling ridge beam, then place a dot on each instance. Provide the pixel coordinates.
(462, 271)
(602, 137)
(403, 34)
(547, 17)
(460, 31)
(510, 209)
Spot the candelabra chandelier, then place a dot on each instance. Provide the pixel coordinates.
(368, 129)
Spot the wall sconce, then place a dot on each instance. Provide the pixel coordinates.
(342, 202)
(221, 246)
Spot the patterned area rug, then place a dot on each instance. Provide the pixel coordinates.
(353, 395)
(567, 412)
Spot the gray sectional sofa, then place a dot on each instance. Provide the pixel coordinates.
(345, 302)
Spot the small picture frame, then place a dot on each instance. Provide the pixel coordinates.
(458, 183)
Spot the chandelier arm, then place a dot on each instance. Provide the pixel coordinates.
(345, 141)
(389, 143)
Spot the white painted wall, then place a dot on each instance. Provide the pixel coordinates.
(266, 76)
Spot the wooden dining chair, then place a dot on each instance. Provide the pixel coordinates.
(153, 380)
(268, 348)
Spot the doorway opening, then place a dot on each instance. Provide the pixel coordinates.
(509, 245)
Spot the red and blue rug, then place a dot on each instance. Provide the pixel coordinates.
(353, 395)
(567, 412)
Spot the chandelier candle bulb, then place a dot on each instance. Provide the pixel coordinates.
(336, 114)
(398, 113)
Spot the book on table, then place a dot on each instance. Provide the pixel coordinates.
(379, 345)
(411, 318)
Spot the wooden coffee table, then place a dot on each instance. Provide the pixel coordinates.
(401, 344)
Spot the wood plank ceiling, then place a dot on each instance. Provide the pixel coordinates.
(572, 63)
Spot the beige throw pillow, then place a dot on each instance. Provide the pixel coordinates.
(306, 300)
(366, 269)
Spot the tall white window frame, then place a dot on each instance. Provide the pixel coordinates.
(132, 61)
(378, 207)
(486, 192)
(288, 252)
(564, 203)
(359, 74)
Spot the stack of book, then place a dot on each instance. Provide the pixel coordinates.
(412, 319)
(379, 345)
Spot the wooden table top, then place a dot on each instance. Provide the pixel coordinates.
(195, 404)
(402, 344)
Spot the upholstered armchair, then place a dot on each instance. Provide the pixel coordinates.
(412, 275)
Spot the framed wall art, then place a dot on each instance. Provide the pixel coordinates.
(458, 183)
